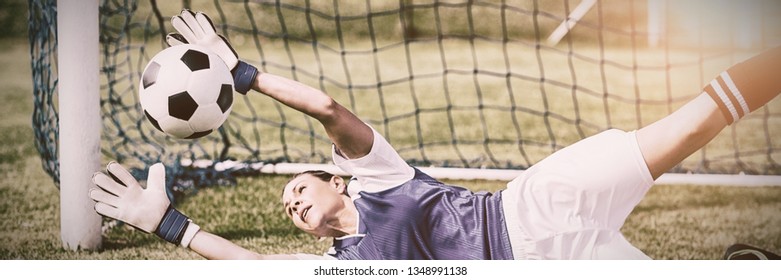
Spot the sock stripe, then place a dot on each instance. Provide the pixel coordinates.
(724, 99)
(731, 97)
(722, 108)
(734, 89)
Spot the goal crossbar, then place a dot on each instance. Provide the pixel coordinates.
(489, 174)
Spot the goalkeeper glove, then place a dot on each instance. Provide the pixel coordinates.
(121, 197)
(198, 29)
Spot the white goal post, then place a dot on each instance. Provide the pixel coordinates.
(568, 23)
(79, 121)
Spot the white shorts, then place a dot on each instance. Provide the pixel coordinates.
(572, 204)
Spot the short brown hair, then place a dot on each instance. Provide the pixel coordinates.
(319, 174)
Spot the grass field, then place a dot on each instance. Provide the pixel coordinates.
(672, 222)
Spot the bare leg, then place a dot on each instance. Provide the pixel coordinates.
(669, 141)
(736, 92)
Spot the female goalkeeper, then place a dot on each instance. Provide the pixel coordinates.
(571, 205)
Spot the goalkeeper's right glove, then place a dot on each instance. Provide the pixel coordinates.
(198, 29)
(121, 197)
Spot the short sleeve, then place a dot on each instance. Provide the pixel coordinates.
(382, 168)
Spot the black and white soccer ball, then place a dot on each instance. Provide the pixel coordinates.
(186, 91)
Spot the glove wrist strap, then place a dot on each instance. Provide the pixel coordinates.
(243, 76)
(173, 226)
(189, 234)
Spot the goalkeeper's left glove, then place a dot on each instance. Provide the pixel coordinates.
(198, 29)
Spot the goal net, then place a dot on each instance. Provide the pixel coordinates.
(450, 83)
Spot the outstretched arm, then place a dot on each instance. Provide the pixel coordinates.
(736, 92)
(120, 196)
(352, 137)
(213, 247)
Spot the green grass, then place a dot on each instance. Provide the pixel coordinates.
(672, 222)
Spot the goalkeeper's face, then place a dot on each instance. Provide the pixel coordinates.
(315, 205)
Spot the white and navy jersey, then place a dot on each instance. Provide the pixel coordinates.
(405, 214)
(426, 219)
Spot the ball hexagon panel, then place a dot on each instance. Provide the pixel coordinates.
(175, 127)
(205, 86)
(152, 106)
(206, 117)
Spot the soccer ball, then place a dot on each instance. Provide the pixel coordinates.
(186, 91)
